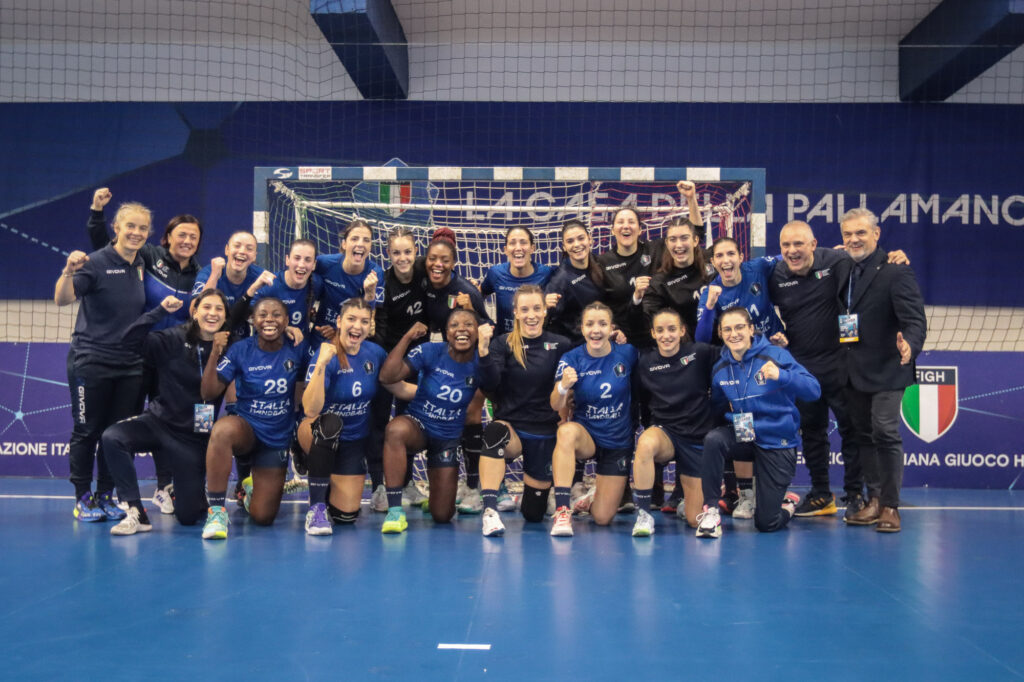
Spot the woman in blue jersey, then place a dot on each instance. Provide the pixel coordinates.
(741, 284)
(340, 388)
(674, 381)
(519, 269)
(297, 286)
(447, 381)
(756, 384)
(444, 290)
(265, 370)
(176, 424)
(349, 274)
(104, 376)
(598, 375)
(578, 282)
(515, 370)
(234, 272)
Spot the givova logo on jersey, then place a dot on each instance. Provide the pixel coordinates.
(930, 406)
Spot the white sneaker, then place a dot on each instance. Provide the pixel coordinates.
(130, 524)
(493, 527)
(745, 507)
(709, 523)
(296, 484)
(471, 502)
(412, 495)
(578, 490)
(163, 499)
(379, 500)
(550, 511)
(562, 527)
(582, 505)
(644, 525)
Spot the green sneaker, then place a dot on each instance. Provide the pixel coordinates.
(247, 488)
(216, 527)
(395, 521)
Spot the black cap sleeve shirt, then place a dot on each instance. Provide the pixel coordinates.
(677, 389)
(521, 395)
(112, 296)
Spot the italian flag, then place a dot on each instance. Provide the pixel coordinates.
(395, 195)
(929, 408)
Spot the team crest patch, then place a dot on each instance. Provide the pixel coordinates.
(289, 365)
(619, 369)
(821, 274)
(138, 271)
(470, 381)
(550, 346)
(451, 301)
(368, 367)
(930, 406)
(755, 288)
(687, 359)
(645, 260)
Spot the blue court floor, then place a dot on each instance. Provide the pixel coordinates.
(940, 601)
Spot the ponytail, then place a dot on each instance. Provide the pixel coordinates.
(515, 337)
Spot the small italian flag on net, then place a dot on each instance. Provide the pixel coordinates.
(395, 195)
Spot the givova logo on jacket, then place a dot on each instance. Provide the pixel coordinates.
(930, 406)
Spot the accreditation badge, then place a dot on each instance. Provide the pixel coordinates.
(743, 426)
(849, 329)
(202, 418)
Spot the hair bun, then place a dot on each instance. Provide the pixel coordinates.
(444, 233)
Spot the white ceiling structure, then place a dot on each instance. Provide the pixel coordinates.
(495, 50)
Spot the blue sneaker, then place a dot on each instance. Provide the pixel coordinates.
(216, 526)
(317, 522)
(87, 511)
(108, 505)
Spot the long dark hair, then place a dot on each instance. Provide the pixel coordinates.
(594, 269)
(192, 326)
(667, 262)
(358, 303)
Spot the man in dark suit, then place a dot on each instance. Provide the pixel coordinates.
(882, 327)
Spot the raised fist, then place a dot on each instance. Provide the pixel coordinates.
(569, 378)
(171, 304)
(76, 259)
(686, 188)
(714, 291)
(101, 198)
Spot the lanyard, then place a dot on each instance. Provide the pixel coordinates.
(746, 384)
(199, 352)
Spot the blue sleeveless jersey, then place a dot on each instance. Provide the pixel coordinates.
(349, 392)
(265, 384)
(602, 393)
(443, 391)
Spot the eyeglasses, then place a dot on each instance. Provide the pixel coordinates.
(736, 328)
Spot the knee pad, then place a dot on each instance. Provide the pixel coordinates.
(495, 437)
(299, 458)
(534, 503)
(338, 516)
(326, 428)
(473, 438)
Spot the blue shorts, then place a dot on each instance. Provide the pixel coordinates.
(265, 457)
(350, 459)
(537, 455)
(612, 461)
(688, 454)
(442, 453)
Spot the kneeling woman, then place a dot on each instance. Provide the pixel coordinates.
(598, 374)
(516, 370)
(340, 387)
(761, 383)
(265, 369)
(177, 421)
(675, 384)
(434, 420)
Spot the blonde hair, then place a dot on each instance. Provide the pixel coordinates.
(131, 207)
(515, 337)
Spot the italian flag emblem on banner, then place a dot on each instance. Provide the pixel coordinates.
(395, 195)
(929, 407)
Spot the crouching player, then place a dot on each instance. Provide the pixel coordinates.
(761, 383)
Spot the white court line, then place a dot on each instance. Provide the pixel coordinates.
(472, 647)
(902, 509)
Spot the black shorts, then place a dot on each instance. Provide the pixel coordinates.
(688, 454)
(350, 459)
(265, 457)
(537, 455)
(612, 461)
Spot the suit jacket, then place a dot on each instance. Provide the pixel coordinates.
(887, 300)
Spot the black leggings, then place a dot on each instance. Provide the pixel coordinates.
(186, 457)
(99, 397)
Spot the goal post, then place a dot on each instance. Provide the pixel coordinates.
(480, 203)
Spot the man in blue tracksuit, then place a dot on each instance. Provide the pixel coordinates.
(757, 384)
